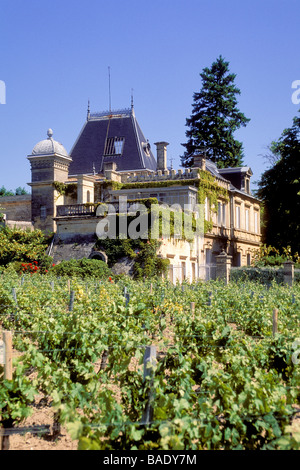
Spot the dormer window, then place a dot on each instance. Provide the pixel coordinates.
(114, 146)
(146, 148)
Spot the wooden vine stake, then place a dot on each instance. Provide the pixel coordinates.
(127, 296)
(275, 321)
(149, 363)
(6, 360)
(71, 303)
(7, 340)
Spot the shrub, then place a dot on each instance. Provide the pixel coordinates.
(82, 268)
(24, 246)
(143, 252)
(147, 263)
(41, 266)
(261, 275)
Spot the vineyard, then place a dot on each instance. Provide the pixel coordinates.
(148, 365)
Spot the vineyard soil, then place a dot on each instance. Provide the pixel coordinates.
(43, 416)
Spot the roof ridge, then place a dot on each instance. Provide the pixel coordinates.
(112, 113)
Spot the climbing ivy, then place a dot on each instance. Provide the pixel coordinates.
(65, 189)
(115, 185)
(144, 253)
(207, 185)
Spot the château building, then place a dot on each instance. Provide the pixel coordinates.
(112, 159)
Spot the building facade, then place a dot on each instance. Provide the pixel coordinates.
(112, 159)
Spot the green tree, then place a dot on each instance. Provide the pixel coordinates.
(279, 189)
(215, 118)
(18, 192)
(5, 192)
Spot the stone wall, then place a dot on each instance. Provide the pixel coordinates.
(76, 248)
(16, 208)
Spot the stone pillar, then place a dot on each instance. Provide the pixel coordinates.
(85, 185)
(199, 161)
(161, 151)
(288, 272)
(223, 267)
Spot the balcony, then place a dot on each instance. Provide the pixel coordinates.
(90, 209)
(246, 236)
(76, 210)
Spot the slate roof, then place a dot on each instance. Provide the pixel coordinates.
(213, 169)
(88, 150)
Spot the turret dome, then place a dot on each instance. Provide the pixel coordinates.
(49, 146)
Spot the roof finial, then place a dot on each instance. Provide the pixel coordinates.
(88, 111)
(50, 133)
(131, 98)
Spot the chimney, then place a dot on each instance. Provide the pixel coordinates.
(161, 151)
(199, 160)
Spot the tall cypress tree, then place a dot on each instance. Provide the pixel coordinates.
(215, 118)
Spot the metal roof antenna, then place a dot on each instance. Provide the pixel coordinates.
(88, 111)
(109, 92)
(131, 99)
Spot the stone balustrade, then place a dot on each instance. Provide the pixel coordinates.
(159, 175)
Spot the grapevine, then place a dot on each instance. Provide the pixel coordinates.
(222, 380)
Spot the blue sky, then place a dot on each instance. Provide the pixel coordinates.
(55, 57)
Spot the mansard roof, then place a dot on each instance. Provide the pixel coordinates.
(107, 137)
